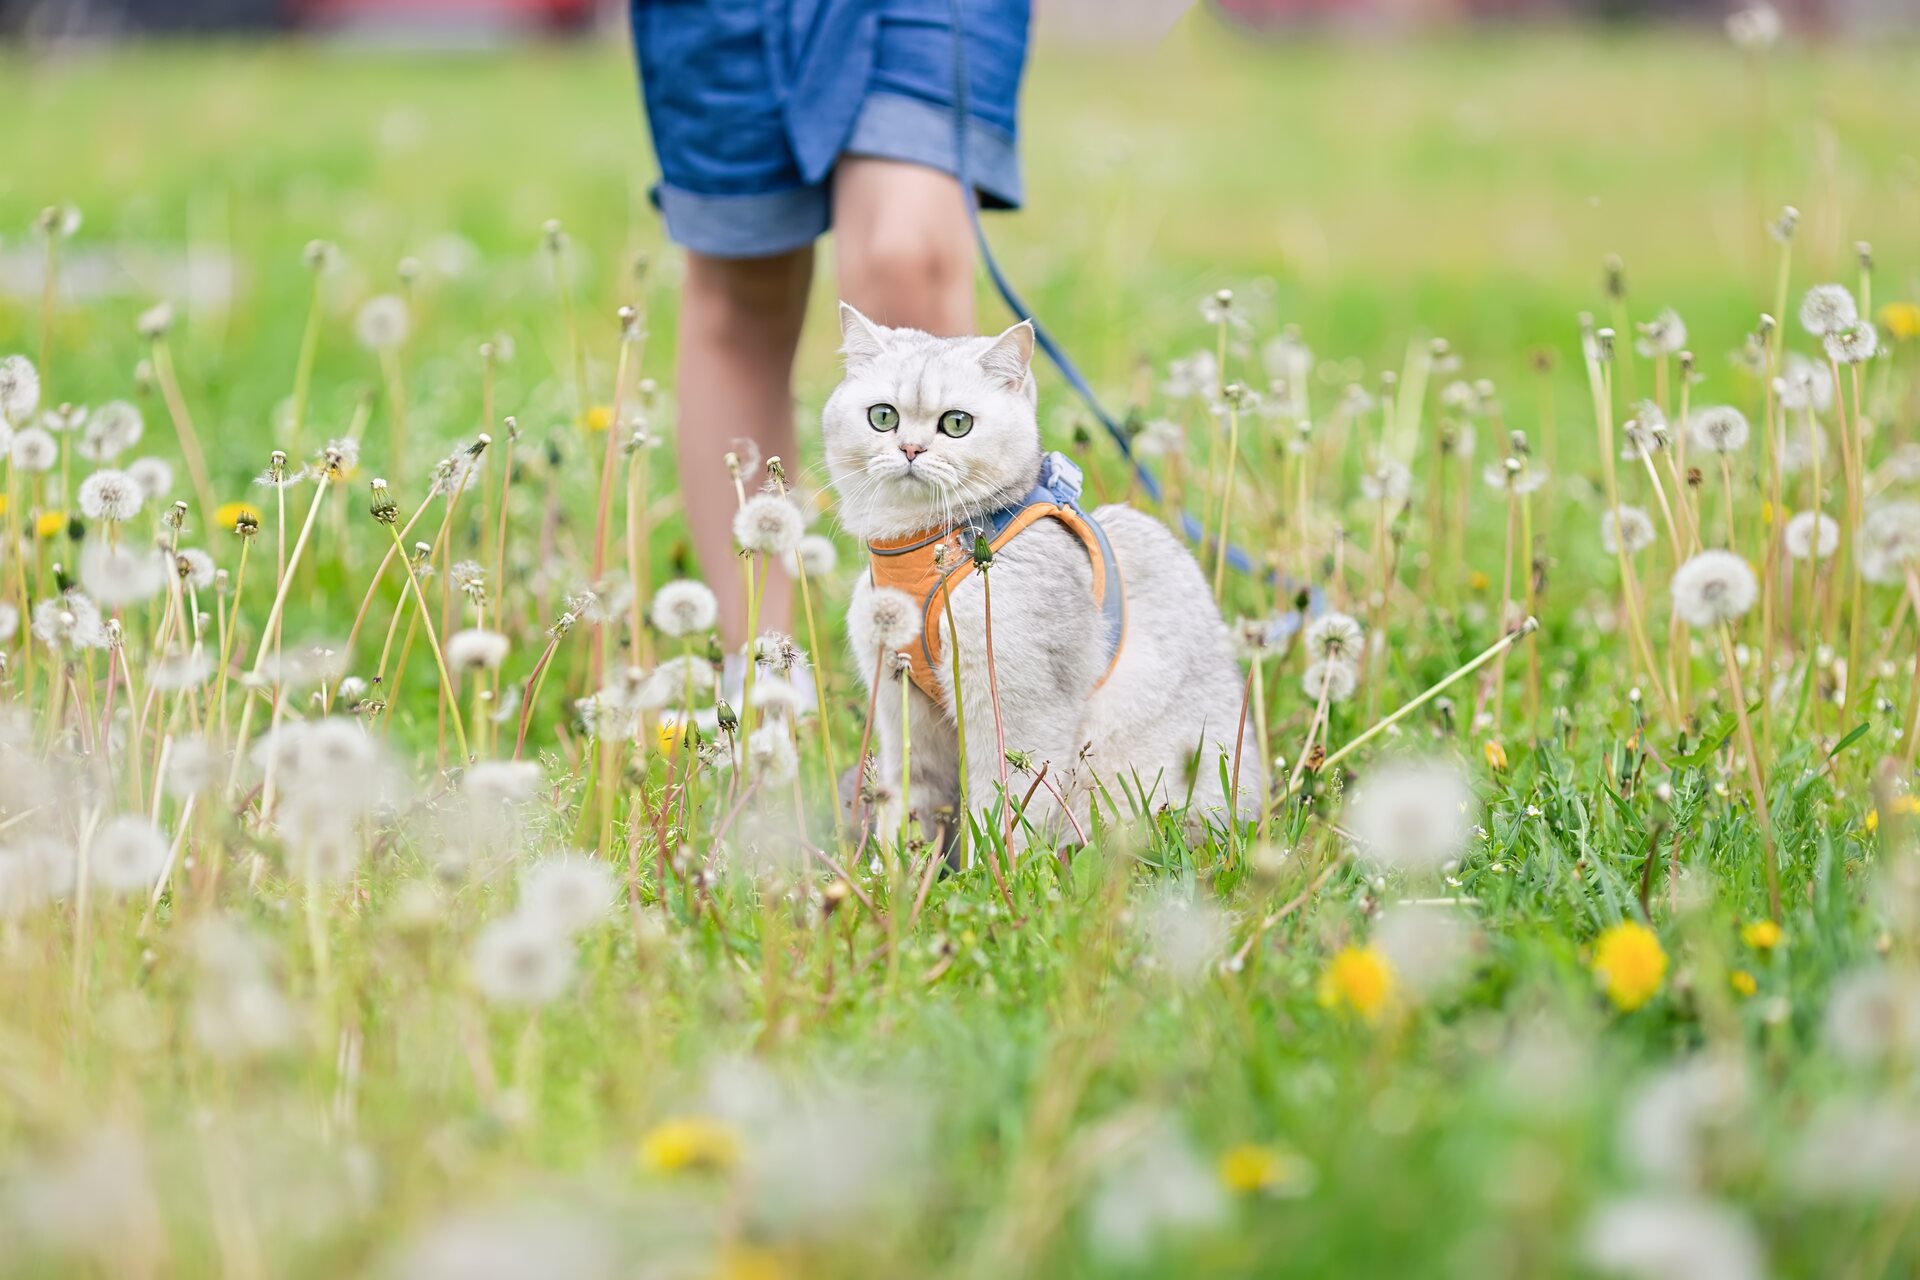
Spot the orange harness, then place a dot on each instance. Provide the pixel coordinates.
(928, 566)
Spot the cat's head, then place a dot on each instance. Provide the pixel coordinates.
(925, 432)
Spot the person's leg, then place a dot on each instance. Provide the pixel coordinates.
(903, 244)
(739, 323)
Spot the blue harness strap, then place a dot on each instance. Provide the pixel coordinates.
(1059, 486)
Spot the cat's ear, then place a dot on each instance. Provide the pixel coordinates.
(860, 339)
(1008, 359)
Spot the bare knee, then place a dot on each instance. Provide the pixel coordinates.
(743, 299)
(904, 247)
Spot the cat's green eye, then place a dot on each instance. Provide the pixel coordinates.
(955, 423)
(883, 417)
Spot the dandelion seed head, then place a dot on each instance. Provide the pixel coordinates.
(1828, 308)
(34, 451)
(1672, 1237)
(1872, 1015)
(476, 649)
(383, 322)
(1888, 540)
(19, 391)
(1712, 588)
(501, 782)
(1755, 28)
(109, 431)
(1331, 679)
(778, 698)
(1335, 636)
(153, 475)
(1412, 815)
(1389, 482)
(1674, 1114)
(126, 854)
(1809, 536)
(110, 495)
(1630, 528)
(768, 524)
(1664, 335)
(889, 618)
(1804, 384)
(1155, 1186)
(195, 567)
(1182, 935)
(1718, 428)
(124, 574)
(521, 960)
(69, 623)
(771, 758)
(814, 554)
(684, 608)
(175, 671)
(1854, 345)
(568, 891)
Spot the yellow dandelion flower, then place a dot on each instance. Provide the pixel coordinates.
(600, 417)
(1360, 980)
(1762, 935)
(1496, 755)
(1743, 982)
(1251, 1167)
(1478, 581)
(668, 735)
(1630, 963)
(1905, 806)
(746, 1262)
(1766, 514)
(3, 504)
(50, 524)
(1873, 821)
(1901, 320)
(689, 1143)
(226, 516)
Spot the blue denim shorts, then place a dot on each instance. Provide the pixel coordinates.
(752, 102)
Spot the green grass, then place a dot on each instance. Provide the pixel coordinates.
(1006, 1072)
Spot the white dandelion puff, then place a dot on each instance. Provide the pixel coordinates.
(814, 553)
(1331, 679)
(568, 891)
(70, 623)
(1804, 384)
(195, 567)
(153, 475)
(110, 495)
(1628, 528)
(126, 854)
(1335, 636)
(522, 960)
(1672, 1237)
(383, 322)
(1855, 345)
(1756, 28)
(778, 697)
(1664, 335)
(1718, 428)
(768, 524)
(109, 431)
(1712, 588)
(1412, 815)
(1801, 446)
(1828, 308)
(888, 617)
(1389, 482)
(476, 649)
(684, 608)
(19, 390)
(502, 782)
(1888, 540)
(34, 450)
(1810, 536)
(121, 575)
(771, 759)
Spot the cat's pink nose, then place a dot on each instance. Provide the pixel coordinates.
(913, 450)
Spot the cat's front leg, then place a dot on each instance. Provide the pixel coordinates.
(922, 783)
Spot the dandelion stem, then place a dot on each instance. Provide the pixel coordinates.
(1755, 781)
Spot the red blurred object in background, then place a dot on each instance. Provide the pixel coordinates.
(558, 15)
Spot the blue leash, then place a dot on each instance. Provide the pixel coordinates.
(1148, 481)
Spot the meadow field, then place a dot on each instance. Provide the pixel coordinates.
(383, 891)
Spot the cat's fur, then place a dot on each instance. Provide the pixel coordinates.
(1173, 698)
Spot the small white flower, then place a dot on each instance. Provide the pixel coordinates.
(126, 854)
(1828, 308)
(568, 891)
(1801, 540)
(768, 524)
(1712, 588)
(522, 959)
(1718, 428)
(684, 608)
(383, 322)
(110, 495)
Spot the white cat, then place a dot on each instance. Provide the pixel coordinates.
(927, 433)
